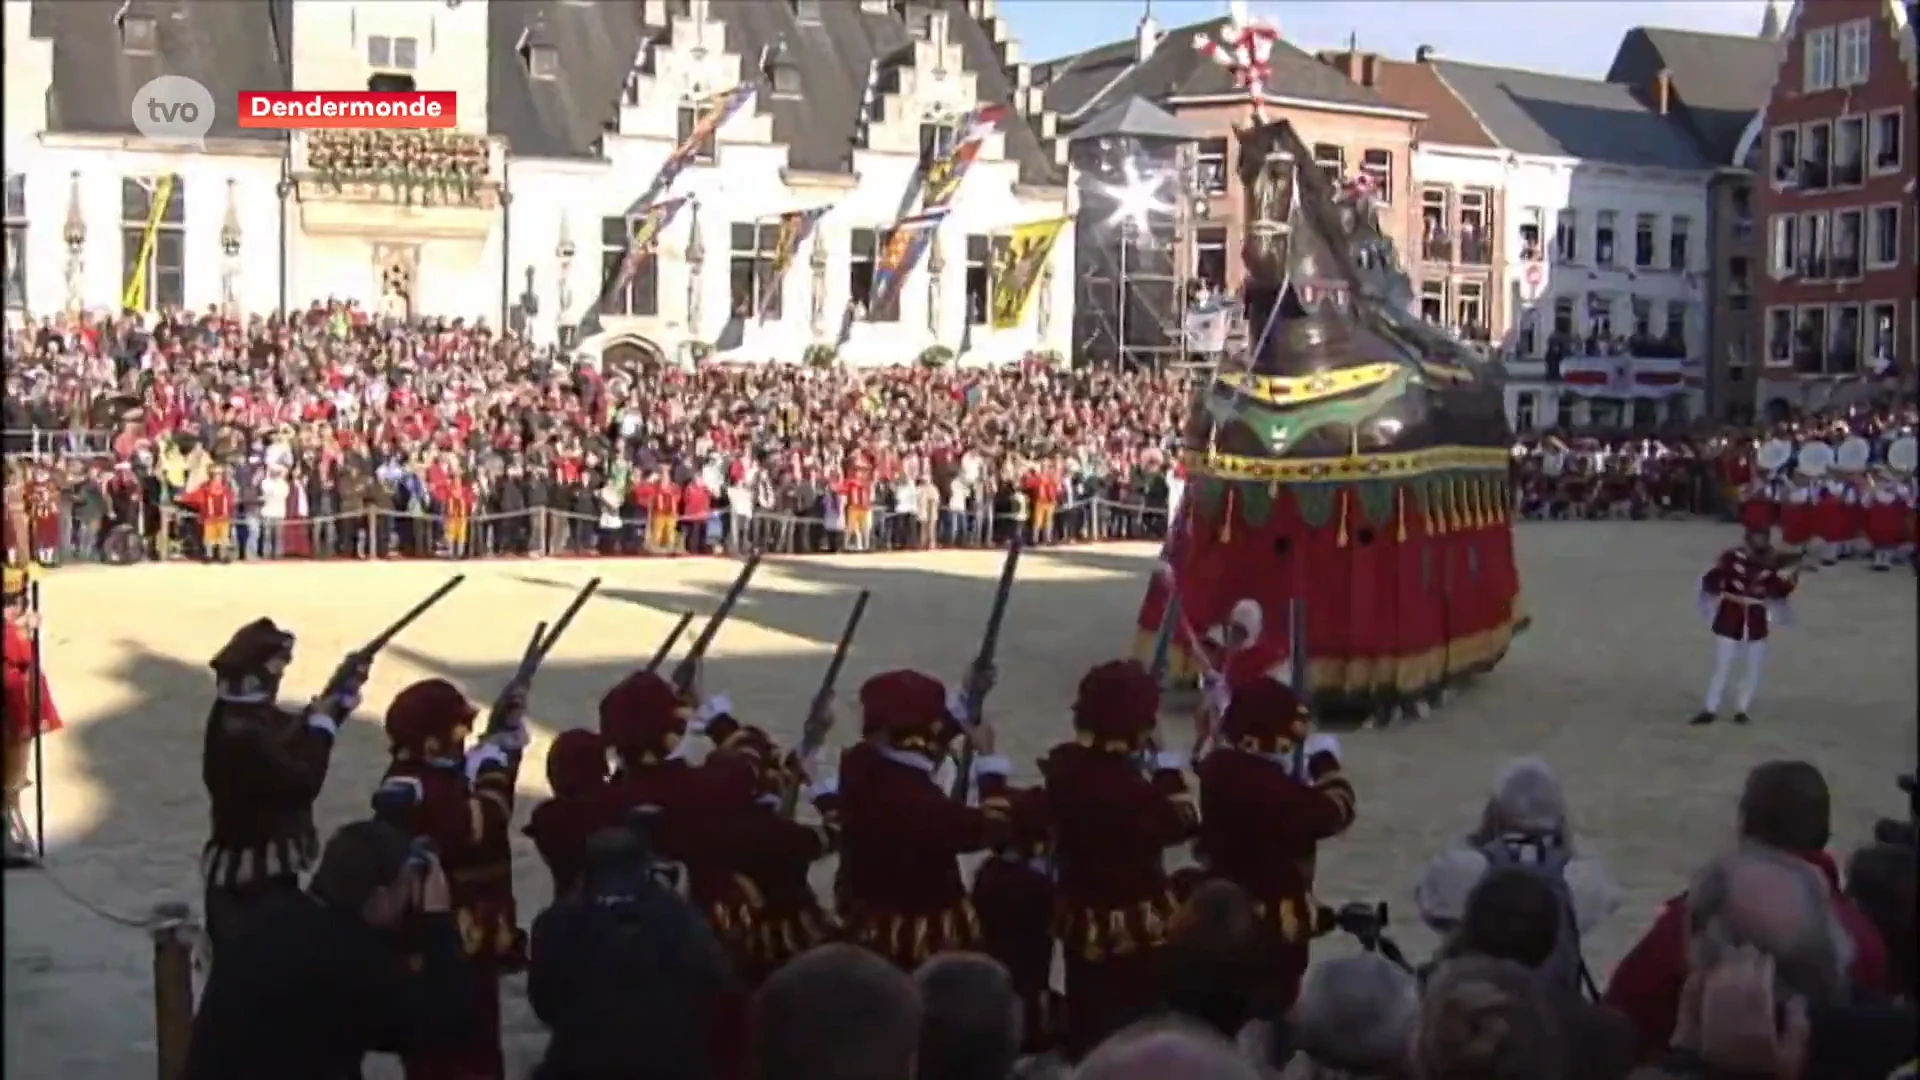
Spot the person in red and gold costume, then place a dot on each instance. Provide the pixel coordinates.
(459, 504)
(214, 502)
(1741, 595)
(31, 711)
(1270, 794)
(15, 532)
(263, 766)
(577, 771)
(44, 516)
(1014, 893)
(461, 799)
(900, 890)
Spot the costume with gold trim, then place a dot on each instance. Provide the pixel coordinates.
(43, 505)
(462, 800)
(1743, 594)
(31, 711)
(1013, 891)
(262, 765)
(1269, 794)
(1117, 804)
(900, 889)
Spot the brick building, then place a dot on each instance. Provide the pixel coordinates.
(1835, 308)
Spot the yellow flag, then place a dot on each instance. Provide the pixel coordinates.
(1017, 263)
(134, 296)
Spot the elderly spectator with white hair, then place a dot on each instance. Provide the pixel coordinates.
(1355, 1020)
(1525, 824)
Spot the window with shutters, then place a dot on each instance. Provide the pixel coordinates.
(153, 243)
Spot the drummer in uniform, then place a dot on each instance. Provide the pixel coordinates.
(1843, 505)
(1799, 499)
(1889, 503)
(1762, 489)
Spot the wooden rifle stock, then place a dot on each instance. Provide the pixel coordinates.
(814, 735)
(666, 647)
(689, 666)
(989, 646)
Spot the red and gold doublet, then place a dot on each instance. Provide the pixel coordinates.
(29, 714)
(1743, 591)
(215, 503)
(43, 514)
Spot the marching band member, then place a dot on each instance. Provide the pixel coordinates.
(263, 766)
(1797, 514)
(901, 893)
(1887, 511)
(461, 799)
(1267, 801)
(1112, 821)
(31, 712)
(1740, 596)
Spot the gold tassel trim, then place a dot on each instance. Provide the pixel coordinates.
(1340, 540)
(1400, 514)
(1226, 517)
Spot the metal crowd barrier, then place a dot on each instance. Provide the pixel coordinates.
(45, 442)
(175, 533)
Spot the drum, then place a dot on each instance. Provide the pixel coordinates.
(122, 547)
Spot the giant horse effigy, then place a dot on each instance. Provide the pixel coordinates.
(1356, 460)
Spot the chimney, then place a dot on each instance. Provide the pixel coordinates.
(1370, 71)
(1663, 91)
(1425, 54)
(1146, 36)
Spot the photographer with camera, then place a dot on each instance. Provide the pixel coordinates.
(317, 979)
(625, 972)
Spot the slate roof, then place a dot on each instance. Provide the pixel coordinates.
(235, 45)
(1136, 117)
(1077, 84)
(1417, 87)
(1558, 116)
(1719, 81)
(226, 47)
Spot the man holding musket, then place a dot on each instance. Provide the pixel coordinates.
(30, 710)
(263, 766)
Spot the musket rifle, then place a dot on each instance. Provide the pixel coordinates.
(688, 668)
(367, 652)
(666, 647)
(813, 736)
(540, 645)
(982, 665)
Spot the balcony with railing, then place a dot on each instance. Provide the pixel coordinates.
(440, 182)
(1436, 247)
(1476, 250)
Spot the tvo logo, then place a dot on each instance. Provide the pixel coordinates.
(174, 109)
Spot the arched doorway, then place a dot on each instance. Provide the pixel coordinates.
(631, 354)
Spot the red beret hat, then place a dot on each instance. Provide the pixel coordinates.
(578, 759)
(643, 714)
(903, 705)
(1119, 701)
(430, 716)
(1264, 715)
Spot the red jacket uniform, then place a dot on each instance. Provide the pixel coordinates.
(214, 501)
(23, 723)
(1887, 514)
(901, 892)
(1740, 592)
(1260, 828)
(1647, 983)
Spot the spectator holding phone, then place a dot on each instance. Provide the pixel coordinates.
(318, 978)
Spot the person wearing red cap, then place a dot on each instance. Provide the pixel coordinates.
(31, 712)
(900, 890)
(460, 798)
(263, 766)
(578, 772)
(1269, 794)
(1014, 893)
(1118, 802)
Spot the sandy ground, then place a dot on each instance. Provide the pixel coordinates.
(1601, 687)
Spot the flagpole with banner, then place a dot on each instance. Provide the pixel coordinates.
(133, 297)
(1016, 270)
(908, 238)
(643, 236)
(795, 227)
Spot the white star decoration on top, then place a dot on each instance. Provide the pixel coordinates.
(1244, 49)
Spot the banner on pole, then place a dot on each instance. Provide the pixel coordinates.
(905, 243)
(795, 227)
(133, 296)
(711, 116)
(1017, 267)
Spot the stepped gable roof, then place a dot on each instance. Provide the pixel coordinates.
(1719, 81)
(833, 58)
(225, 47)
(1137, 118)
(1535, 113)
(1078, 83)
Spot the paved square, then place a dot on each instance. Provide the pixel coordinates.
(1602, 685)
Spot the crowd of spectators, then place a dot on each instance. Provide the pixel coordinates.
(342, 434)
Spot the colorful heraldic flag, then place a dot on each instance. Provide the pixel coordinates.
(133, 296)
(713, 115)
(648, 224)
(944, 175)
(906, 242)
(795, 227)
(1016, 271)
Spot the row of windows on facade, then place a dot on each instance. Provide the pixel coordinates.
(1834, 245)
(1825, 155)
(161, 258)
(1568, 249)
(1213, 160)
(753, 287)
(1833, 339)
(1604, 413)
(1837, 57)
(1456, 227)
(1599, 333)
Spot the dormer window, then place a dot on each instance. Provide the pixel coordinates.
(806, 12)
(918, 17)
(543, 62)
(139, 31)
(393, 53)
(783, 75)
